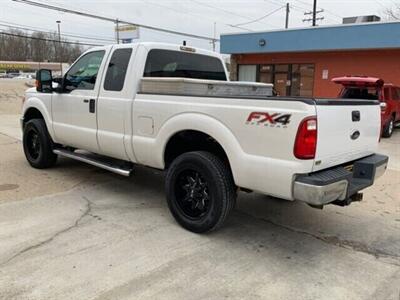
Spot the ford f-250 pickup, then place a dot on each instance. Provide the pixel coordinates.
(172, 108)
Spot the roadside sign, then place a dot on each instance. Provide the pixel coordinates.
(127, 33)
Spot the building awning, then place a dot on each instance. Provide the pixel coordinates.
(364, 36)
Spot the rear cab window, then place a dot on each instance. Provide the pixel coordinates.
(170, 63)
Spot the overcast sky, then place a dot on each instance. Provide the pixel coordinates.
(191, 16)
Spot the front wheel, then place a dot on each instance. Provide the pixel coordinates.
(200, 191)
(38, 147)
(388, 129)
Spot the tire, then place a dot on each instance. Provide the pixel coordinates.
(38, 146)
(200, 191)
(388, 129)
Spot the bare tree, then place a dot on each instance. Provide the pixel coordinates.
(393, 13)
(39, 46)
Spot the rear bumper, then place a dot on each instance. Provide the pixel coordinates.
(339, 184)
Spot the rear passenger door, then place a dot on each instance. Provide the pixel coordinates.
(115, 102)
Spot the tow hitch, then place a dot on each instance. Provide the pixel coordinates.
(357, 197)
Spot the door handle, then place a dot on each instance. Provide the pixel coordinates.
(92, 106)
(86, 101)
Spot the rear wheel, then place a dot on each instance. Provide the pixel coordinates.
(38, 146)
(200, 191)
(388, 129)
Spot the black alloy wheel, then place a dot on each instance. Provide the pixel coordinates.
(200, 191)
(192, 194)
(38, 146)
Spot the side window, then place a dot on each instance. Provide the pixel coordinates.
(116, 71)
(395, 95)
(386, 91)
(83, 73)
(398, 94)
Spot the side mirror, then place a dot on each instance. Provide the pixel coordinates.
(44, 80)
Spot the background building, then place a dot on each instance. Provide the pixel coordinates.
(302, 62)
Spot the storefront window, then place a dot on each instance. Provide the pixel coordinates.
(266, 73)
(288, 79)
(248, 73)
(306, 78)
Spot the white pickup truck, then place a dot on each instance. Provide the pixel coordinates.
(172, 108)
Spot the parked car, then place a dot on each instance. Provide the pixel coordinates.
(172, 108)
(372, 88)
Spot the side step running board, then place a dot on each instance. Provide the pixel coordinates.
(109, 164)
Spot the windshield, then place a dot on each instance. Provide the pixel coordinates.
(368, 93)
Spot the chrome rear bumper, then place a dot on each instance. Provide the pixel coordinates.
(339, 184)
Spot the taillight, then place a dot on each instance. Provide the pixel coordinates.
(383, 106)
(306, 140)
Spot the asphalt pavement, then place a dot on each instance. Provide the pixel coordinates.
(77, 232)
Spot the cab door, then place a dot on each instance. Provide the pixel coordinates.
(114, 109)
(74, 108)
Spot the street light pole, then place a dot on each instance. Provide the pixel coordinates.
(59, 46)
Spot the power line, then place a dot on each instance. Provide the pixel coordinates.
(225, 11)
(46, 39)
(326, 10)
(94, 37)
(196, 15)
(302, 8)
(115, 21)
(50, 32)
(263, 17)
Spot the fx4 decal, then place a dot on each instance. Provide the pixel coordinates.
(268, 119)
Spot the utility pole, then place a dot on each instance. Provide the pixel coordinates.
(314, 14)
(214, 36)
(287, 15)
(59, 46)
(117, 30)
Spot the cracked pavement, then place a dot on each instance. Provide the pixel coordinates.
(77, 232)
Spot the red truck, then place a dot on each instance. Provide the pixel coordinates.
(372, 88)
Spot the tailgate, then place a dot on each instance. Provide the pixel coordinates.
(347, 130)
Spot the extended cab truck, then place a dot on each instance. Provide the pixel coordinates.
(171, 108)
(365, 87)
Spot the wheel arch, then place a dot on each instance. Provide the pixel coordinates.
(152, 151)
(35, 109)
(189, 140)
(205, 133)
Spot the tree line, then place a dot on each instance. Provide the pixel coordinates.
(17, 45)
